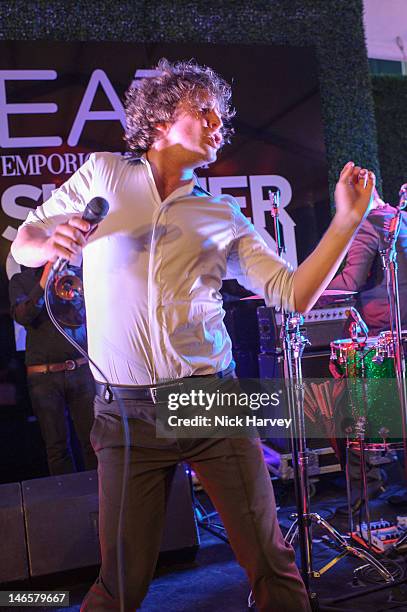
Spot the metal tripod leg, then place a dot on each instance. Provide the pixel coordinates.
(202, 517)
(341, 541)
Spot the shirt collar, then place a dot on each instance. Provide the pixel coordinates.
(191, 188)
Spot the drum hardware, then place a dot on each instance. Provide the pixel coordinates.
(372, 358)
(384, 433)
(348, 432)
(361, 363)
(378, 358)
(388, 254)
(205, 519)
(339, 295)
(358, 327)
(360, 431)
(294, 341)
(389, 263)
(389, 356)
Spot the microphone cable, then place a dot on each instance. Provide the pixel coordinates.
(126, 439)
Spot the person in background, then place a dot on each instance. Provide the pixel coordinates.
(60, 383)
(363, 273)
(363, 270)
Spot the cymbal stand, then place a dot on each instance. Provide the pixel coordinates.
(294, 342)
(360, 431)
(389, 263)
(205, 519)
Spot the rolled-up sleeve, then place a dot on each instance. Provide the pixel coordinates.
(68, 200)
(258, 268)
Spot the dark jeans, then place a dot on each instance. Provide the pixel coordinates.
(233, 473)
(51, 394)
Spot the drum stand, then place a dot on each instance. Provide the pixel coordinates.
(388, 255)
(294, 344)
(361, 448)
(360, 431)
(389, 263)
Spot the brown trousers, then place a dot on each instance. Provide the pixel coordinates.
(235, 477)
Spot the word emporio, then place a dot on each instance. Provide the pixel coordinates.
(218, 399)
(227, 421)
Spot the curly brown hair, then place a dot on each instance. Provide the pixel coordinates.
(154, 100)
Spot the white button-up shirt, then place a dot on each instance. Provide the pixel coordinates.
(153, 271)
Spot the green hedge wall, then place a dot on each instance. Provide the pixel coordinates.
(334, 27)
(390, 100)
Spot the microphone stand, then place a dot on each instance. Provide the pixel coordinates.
(389, 263)
(294, 342)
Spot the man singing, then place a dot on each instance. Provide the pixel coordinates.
(153, 270)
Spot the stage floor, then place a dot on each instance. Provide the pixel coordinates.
(215, 582)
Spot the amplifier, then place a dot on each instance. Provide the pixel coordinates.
(241, 323)
(322, 325)
(314, 365)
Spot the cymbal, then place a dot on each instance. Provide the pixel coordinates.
(251, 297)
(337, 292)
(326, 293)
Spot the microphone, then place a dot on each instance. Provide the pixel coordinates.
(95, 211)
(274, 197)
(392, 228)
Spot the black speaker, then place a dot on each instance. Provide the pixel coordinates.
(61, 514)
(13, 552)
(241, 324)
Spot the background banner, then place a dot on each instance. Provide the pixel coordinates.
(61, 101)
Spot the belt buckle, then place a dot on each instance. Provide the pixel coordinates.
(70, 364)
(178, 384)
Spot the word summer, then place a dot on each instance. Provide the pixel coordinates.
(220, 399)
(227, 421)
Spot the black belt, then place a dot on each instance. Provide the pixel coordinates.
(111, 392)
